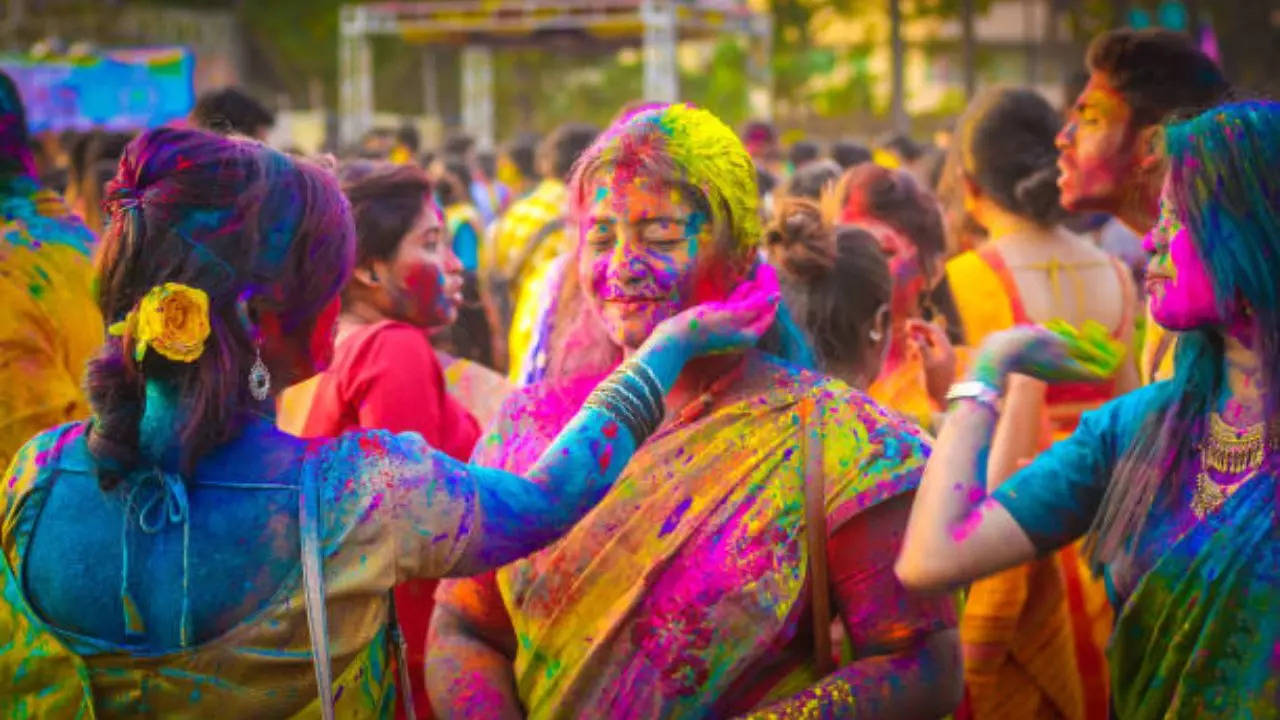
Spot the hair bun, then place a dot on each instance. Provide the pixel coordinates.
(1039, 196)
(800, 241)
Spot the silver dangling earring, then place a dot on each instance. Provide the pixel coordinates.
(875, 335)
(259, 377)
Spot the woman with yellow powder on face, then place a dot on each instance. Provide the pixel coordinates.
(689, 592)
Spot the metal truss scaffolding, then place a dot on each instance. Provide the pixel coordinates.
(478, 26)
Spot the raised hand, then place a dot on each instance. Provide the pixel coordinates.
(938, 355)
(735, 323)
(1057, 353)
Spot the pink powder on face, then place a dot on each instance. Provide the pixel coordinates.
(1179, 284)
(636, 282)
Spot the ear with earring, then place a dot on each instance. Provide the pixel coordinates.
(259, 375)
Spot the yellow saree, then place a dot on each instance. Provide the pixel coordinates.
(1023, 629)
(693, 568)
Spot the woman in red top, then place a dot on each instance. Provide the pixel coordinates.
(385, 374)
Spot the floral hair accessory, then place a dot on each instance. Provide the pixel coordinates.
(172, 319)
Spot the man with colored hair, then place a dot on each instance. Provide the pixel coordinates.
(50, 325)
(1110, 151)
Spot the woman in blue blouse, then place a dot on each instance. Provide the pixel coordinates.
(1175, 485)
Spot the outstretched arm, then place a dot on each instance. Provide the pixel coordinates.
(957, 533)
(458, 520)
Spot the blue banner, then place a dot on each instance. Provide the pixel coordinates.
(124, 90)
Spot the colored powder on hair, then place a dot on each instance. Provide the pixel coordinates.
(706, 153)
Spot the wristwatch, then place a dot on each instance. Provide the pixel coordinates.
(977, 391)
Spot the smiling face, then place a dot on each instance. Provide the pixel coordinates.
(424, 278)
(645, 254)
(1096, 154)
(1178, 283)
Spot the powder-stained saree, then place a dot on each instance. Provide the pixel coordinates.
(1200, 636)
(693, 568)
(371, 537)
(1197, 602)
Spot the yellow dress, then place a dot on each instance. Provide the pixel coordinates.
(50, 325)
(517, 263)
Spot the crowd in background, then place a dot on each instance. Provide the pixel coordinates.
(515, 307)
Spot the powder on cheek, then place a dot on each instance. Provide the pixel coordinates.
(1187, 300)
(424, 284)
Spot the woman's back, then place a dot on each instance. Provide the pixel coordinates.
(249, 651)
(1060, 276)
(243, 504)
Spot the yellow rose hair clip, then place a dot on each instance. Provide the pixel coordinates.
(172, 319)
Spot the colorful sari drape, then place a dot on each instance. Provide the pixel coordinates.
(1198, 610)
(692, 569)
(1023, 610)
(1200, 636)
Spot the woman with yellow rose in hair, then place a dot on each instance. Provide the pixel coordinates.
(177, 555)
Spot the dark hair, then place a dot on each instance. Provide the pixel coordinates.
(522, 153)
(818, 264)
(452, 188)
(1224, 189)
(462, 171)
(240, 222)
(759, 132)
(15, 148)
(458, 144)
(765, 181)
(386, 200)
(1159, 72)
(1006, 146)
(231, 110)
(905, 147)
(407, 136)
(893, 197)
(93, 160)
(487, 163)
(803, 151)
(849, 153)
(564, 145)
(811, 180)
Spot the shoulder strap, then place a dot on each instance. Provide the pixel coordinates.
(816, 535)
(996, 262)
(313, 581)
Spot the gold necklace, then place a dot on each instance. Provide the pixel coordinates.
(1230, 451)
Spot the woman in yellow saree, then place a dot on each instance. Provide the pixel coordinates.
(1021, 628)
(689, 592)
